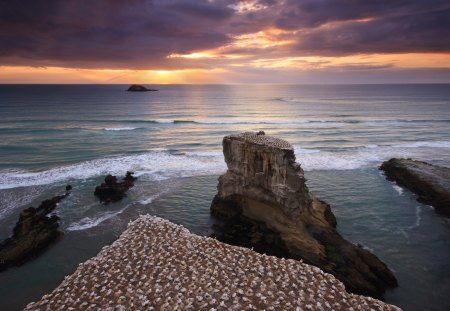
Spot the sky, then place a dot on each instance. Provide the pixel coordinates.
(225, 41)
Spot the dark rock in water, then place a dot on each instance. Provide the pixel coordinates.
(139, 88)
(263, 202)
(113, 191)
(431, 183)
(33, 233)
(68, 187)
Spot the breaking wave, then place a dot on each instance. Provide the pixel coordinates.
(120, 128)
(160, 165)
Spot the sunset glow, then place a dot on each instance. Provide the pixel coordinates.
(226, 42)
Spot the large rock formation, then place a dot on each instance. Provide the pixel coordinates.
(431, 183)
(113, 191)
(266, 188)
(33, 233)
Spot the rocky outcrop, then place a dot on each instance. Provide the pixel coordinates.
(139, 88)
(33, 233)
(431, 183)
(113, 191)
(265, 189)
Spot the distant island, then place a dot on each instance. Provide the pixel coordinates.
(139, 88)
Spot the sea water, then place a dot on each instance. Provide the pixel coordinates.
(54, 135)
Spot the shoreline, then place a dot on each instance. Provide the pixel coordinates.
(157, 264)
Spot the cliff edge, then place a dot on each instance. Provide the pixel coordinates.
(265, 187)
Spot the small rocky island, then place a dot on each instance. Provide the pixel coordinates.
(430, 182)
(265, 190)
(139, 88)
(33, 233)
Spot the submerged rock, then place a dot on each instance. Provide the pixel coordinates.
(113, 191)
(431, 183)
(265, 190)
(33, 233)
(139, 88)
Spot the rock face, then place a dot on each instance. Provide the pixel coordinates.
(266, 189)
(139, 88)
(113, 191)
(431, 183)
(33, 233)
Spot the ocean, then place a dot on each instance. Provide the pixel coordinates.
(54, 135)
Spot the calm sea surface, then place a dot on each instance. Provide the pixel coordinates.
(51, 136)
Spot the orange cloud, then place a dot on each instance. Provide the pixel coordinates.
(36, 75)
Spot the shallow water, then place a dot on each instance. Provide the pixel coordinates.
(55, 135)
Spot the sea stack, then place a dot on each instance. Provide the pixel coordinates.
(264, 186)
(430, 182)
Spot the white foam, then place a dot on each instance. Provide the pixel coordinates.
(308, 124)
(398, 189)
(164, 121)
(349, 159)
(371, 146)
(370, 156)
(418, 218)
(299, 150)
(120, 128)
(10, 199)
(88, 222)
(429, 144)
(160, 165)
(149, 199)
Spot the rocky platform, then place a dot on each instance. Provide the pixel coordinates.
(157, 265)
(33, 233)
(431, 183)
(113, 191)
(265, 189)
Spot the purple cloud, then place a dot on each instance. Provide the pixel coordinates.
(140, 34)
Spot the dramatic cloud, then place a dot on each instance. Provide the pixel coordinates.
(218, 34)
(112, 34)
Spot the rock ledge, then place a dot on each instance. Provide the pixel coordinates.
(431, 183)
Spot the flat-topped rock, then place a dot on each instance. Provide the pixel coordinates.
(157, 265)
(430, 182)
(261, 139)
(265, 190)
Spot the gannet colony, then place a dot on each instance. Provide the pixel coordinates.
(158, 265)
